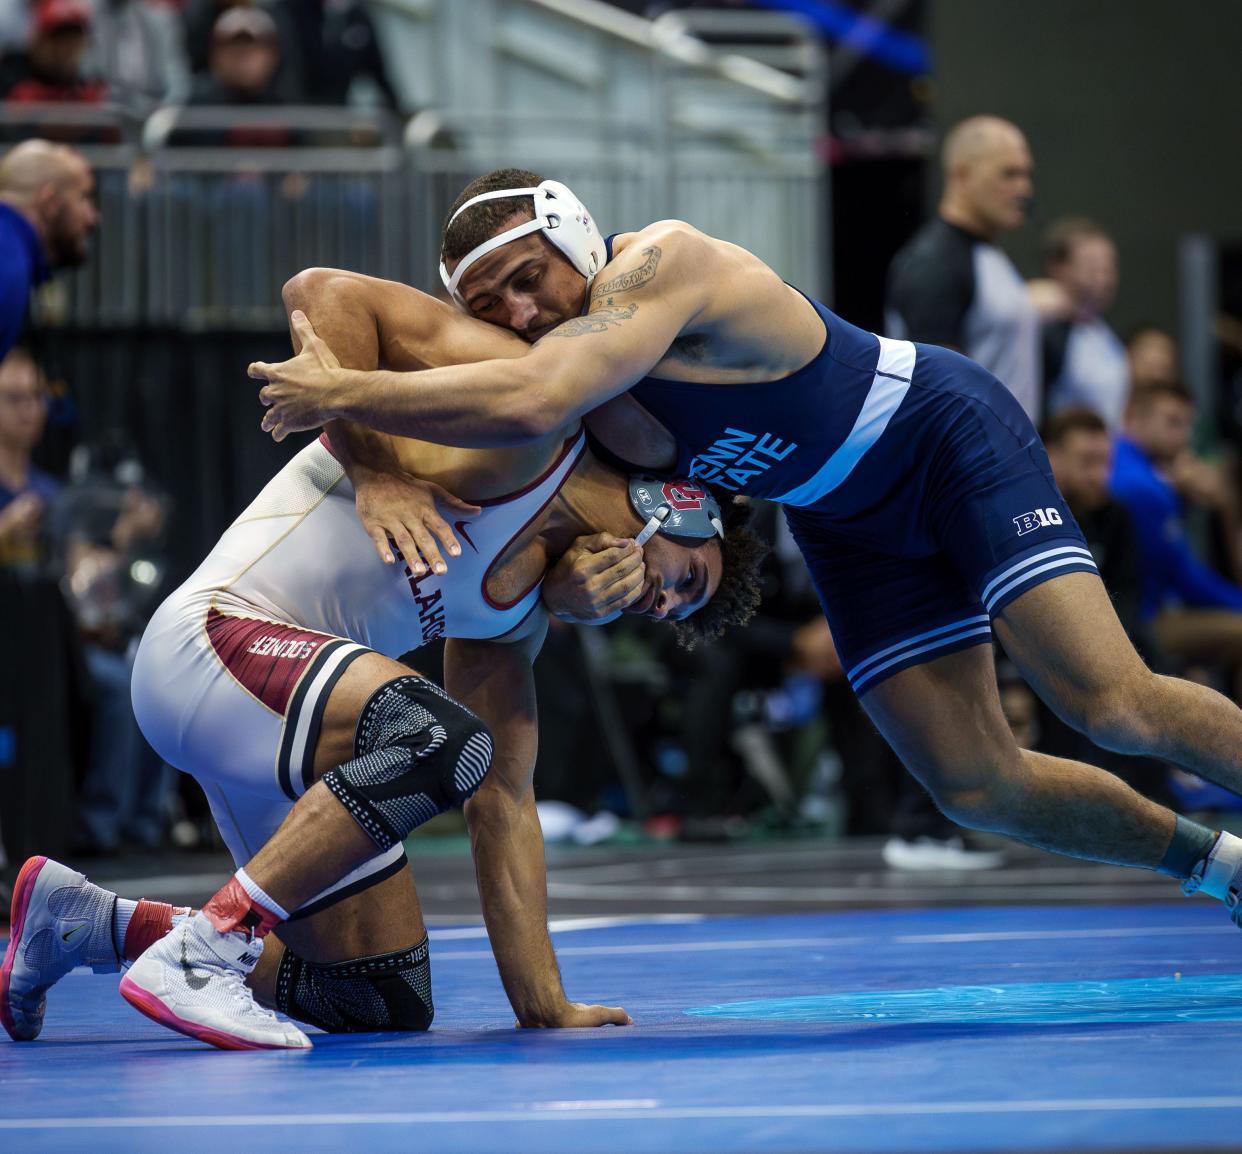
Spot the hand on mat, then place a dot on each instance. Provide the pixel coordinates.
(578, 1014)
(402, 514)
(597, 577)
(299, 392)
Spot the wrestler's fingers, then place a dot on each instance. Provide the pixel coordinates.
(259, 371)
(266, 394)
(379, 538)
(444, 535)
(622, 569)
(408, 548)
(625, 593)
(625, 554)
(301, 325)
(456, 504)
(607, 1016)
(429, 549)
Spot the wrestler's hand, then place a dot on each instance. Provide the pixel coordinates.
(597, 577)
(577, 1014)
(401, 511)
(299, 392)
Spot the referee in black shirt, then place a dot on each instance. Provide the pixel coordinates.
(951, 285)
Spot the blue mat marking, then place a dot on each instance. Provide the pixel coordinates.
(1212, 999)
(1138, 1068)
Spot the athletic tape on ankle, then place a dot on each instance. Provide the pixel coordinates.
(259, 896)
(232, 908)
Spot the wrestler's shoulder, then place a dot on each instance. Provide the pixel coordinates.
(673, 238)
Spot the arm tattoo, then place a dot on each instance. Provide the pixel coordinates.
(598, 321)
(633, 279)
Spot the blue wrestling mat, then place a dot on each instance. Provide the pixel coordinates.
(1088, 1028)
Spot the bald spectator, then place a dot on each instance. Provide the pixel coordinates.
(47, 214)
(951, 285)
(1085, 362)
(51, 69)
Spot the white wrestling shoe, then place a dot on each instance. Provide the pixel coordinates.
(59, 920)
(1219, 875)
(193, 981)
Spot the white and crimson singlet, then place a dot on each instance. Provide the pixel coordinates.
(235, 668)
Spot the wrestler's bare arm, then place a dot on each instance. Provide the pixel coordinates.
(496, 682)
(377, 323)
(579, 365)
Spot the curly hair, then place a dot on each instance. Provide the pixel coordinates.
(738, 594)
(483, 221)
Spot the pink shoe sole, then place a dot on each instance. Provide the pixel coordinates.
(147, 1003)
(17, 922)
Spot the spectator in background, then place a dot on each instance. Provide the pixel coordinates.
(338, 46)
(51, 69)
(25, 491)
(1080, 449)
(199, 19)
(243, 62)
(1195, 613)
(136, 47)
(1153, 357)
(951, 285)
(47, 214)
(107, 525)
(14, 25)
(1085, 362)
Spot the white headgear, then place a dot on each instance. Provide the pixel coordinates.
(562, 218)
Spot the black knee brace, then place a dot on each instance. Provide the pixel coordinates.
(416, 753)
(385, 992)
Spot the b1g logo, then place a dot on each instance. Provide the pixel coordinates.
(1037, 519)
(681, 496)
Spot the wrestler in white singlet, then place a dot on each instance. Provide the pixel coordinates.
(236, 666)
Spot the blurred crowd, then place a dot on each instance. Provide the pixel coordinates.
(759, 730)
(140, 54)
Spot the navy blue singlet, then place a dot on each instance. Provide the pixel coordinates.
(914, 484)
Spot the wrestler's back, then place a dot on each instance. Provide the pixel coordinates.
(299, 553)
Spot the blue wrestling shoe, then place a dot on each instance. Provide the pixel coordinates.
(59, 920)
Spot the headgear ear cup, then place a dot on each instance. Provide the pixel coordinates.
(559, 215)
(679, 508)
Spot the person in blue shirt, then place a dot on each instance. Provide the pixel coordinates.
(1194, 613)
(25, 491)
(913, 482)
(47, 215)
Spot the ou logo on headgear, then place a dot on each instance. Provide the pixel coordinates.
(681, 496)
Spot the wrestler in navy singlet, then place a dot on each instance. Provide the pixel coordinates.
(914, 483)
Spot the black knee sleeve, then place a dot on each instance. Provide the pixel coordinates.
(385, 992)
(416, 753)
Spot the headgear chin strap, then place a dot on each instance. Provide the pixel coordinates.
(680, 508)
(559, 215)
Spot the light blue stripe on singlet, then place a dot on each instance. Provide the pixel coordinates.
(981, 619)
(888, 389)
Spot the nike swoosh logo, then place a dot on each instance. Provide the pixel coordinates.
(69, 935)
(193, 980)
(460, 526)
